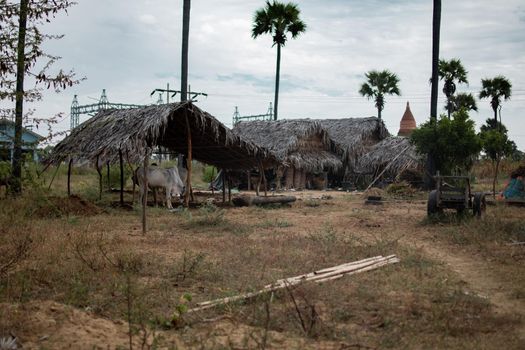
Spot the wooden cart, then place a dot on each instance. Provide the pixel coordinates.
(454, 192)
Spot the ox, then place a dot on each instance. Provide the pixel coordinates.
(168, 179)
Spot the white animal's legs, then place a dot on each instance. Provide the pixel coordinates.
(168, 198)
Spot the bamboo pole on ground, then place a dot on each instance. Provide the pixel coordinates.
(319, 276)
(69, 176)
(145, 189)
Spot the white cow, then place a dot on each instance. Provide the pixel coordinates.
(168, 179)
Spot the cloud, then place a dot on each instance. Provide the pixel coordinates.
(132, 47)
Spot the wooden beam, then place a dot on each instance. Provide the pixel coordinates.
(121, 161)
(145, 189)
(229, 188)
(69, 176)
(223, 177)
(54, 174)
(109, 181)
(188, 163)
(99, 171)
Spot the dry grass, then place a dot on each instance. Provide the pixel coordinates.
(103, 264)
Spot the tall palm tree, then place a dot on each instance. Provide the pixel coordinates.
(278, 19)
(450, 72)
(497, 88)
(462, 100)
(377, 85)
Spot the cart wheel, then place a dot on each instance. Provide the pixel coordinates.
(479, 204)
(432, 204)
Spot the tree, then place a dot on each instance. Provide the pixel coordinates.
(21, 57)
(462, 100)
(496, 89)
(430, 165)
(496, 145)
(453, 142)
(377, 85)
(278, 20)
(451, 72)
(185, 49)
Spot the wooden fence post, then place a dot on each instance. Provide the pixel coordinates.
(145, 189)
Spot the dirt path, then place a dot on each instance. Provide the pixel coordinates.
(479, 274)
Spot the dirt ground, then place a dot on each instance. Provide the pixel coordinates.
(87, 278)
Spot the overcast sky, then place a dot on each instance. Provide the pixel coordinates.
(132, 47)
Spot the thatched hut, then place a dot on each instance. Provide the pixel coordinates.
(390, 158)
(302, 145)
(356, 136)
(134, 132)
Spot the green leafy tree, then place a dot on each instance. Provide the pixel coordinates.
(23, 60)
(496, 145)
(377, 85)
(453, 142)
(496, 89)
(463, 100)
(278, 20)
(451, 72)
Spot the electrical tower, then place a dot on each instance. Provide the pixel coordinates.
(237, 118)
(92, 109)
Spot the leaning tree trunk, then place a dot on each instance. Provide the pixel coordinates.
(16, 181)
(277, 74)
(185, 48)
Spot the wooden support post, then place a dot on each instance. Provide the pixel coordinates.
(121, 177)
(325, 175)
(109, 181)
(223, 178)
(261, 167)
(99, 171)
(229, 188)
(69, 176)
(259, 180)
(145, 189)
(54, 174)
(188, 164)
(248, 173)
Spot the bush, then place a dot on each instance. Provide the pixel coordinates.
(453, 142)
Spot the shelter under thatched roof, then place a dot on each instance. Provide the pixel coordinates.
(302, 143)
(136, 131)
(396, 152)
(356, 135)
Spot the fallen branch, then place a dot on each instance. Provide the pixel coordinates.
(246, 201)
(516, 243)
(319, 276)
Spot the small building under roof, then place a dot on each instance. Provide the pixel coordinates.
(407, 123)
(30, 140)
(302, 145)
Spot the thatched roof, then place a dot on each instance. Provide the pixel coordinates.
(136, 131)
(356, 135)
(295, 142)
(385, 152)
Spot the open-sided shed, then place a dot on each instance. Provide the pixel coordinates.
(114, 135)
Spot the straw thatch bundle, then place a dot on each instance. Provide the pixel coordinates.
(356, 135)
(384, 154)
(136, 131)
(302, 143)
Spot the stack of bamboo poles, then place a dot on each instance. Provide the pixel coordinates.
(328, 274)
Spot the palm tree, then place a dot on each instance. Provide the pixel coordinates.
(496, 89)
(451, 71)
(278, 19)
(378, 85)
(462, 100)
